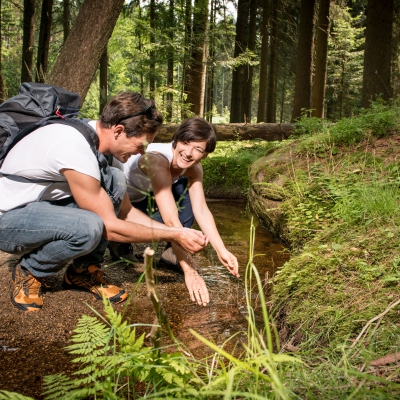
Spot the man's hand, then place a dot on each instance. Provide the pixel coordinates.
(191, 240)
(197, 287)
(230, 262)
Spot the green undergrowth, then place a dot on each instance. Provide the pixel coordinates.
(337, 298)
(226, 169)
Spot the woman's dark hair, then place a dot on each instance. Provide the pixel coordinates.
(196, 129)
(137, 114)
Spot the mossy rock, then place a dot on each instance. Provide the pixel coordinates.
(268, 177)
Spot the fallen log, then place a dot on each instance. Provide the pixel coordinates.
(265, 131)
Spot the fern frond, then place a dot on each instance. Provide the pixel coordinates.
(5, 395)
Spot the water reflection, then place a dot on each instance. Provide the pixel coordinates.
(226, 313)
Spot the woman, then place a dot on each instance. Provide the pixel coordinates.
(161, 172)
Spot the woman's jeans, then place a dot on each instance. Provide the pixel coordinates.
(49, 234)
(182, 199)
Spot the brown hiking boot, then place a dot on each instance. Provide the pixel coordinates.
(93, 281)
(121, 250)
(26, 293)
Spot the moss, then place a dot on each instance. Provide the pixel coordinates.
(338, 214)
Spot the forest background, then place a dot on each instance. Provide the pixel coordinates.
(250, 61)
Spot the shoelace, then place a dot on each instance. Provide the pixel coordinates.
(25, 282)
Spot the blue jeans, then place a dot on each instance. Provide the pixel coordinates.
(49, 234)
(181, 196)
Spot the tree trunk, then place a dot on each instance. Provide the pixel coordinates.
(232, 131)
(319, 85)
(302, 90)
(248, 71)
(66, 18)
(186, 55)
(152, 72)
(210, 66)
(238, 72)
(28, 41)
(262, 92)
(197, 70)
(79, 58)
(272, 78)
(170, 62)
(103, 80)
(377, 53)
(44, 40)
(2, 86)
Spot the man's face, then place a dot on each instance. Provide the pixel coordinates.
(126, 147)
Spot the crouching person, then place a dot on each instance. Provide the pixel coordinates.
(59, 202)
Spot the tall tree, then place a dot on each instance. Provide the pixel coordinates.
(377, 53)
(66, 18)
(44, 40)
(272, 78)
(28, 41)
(321, 55)
(2, 86)
(302, 90)
(170, 61)
(248, 71)
(197, 71)
(238, 72)
(103, 67)
(152, 72)
(262, 92)
(79, 58)
(186, 53)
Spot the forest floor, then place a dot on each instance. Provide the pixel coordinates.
(32, 344)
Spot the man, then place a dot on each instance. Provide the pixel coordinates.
(54, 209)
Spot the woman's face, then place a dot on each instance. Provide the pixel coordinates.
(187, 154)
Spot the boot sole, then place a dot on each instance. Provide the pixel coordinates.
(26, 307)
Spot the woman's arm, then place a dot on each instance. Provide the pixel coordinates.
(158, 170)
(206, 220)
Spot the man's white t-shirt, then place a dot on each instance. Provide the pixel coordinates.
(42, 155)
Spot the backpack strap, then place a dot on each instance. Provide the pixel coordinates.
(81, 125)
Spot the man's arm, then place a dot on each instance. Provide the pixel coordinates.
(135, 227)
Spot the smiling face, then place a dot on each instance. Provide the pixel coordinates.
(187, 154)
(125, 147)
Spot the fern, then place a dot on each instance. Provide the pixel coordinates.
(5, 395)
(112, 359)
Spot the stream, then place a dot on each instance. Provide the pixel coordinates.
(226, 313)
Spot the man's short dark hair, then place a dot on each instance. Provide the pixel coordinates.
(119, 109)
(197, 130)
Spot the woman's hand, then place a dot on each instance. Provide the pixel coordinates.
(197, 287)
(230, 262)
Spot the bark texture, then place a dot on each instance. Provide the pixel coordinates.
(232, 131)
(262, 92)
(42, 61)
(302, 90)
(238, 72)
(79, 58)
(377, 54)
(272, 78)
(103, 79)
(248, 70)
(2, 86)
(27, 41)
(319, 84)
(66, 18)
(197, 71)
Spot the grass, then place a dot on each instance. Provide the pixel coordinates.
(226, 169)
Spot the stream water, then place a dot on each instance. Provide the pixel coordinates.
(226, 313)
